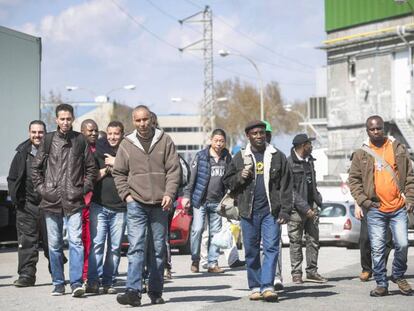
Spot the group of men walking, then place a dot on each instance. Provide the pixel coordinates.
(99, 186)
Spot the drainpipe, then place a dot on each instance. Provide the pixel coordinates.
(401, 33)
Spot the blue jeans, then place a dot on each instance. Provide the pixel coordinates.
(54, 224)
(143, 219)
(261, 226)
(197, 228)
(378, 222)
(108, 226)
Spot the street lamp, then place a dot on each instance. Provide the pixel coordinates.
(305, 122)
(225, 53)
(101, 98)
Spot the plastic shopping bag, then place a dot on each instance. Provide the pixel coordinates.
(223, 239)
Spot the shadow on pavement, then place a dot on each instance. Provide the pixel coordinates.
(298, 295)
(342, 278)
(5, 277)
(291, 289)
(201, 275)
(204, 298)
(192, 288)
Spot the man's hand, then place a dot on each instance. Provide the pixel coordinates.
(109, 160)
(185, 203)
(409, 207)
(129, 199)
(359, 214)
(246, 173)
(310, 214)
(166, 203)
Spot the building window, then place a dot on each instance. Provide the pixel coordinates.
(351, 68)
(182, 129)
(317, 108)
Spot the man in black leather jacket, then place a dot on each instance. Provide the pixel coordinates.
(63, 171)
(30, 223)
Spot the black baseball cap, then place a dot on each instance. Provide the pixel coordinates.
(301, 139)
(253, 124)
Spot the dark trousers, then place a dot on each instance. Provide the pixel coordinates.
(31, 230)
(365, 245)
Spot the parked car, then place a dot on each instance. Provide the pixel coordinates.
(181, 229)
(338, 225)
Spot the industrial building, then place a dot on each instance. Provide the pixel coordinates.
(369, 71)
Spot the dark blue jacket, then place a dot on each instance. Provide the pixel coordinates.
(200, 176)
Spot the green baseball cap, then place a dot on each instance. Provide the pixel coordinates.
(268, 127)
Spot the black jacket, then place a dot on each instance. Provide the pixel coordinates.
(17, 175)
(278, 183)
(65, 174)
(300, 186)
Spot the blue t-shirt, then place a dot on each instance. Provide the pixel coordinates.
(260, 202)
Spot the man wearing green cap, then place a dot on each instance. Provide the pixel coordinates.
(278, 278)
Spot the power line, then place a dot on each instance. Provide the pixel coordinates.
(254, 41)
(133, 19)
(146, 29)
(172, 17)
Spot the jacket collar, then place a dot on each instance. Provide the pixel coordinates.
(135, 141)
(296, 159)
(269, 149)
(366, 141)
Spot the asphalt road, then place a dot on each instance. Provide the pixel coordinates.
(228, 291)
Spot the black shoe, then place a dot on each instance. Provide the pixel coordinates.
(77, 290)
(91, 288)
(130, 297)
(237, 264)
(156, 298)
(24, 282)
(58, 290)
(278, 286)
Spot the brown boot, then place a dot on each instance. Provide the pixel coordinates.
(215, 269)
(195, 266)
(365, 276)
(270, 296)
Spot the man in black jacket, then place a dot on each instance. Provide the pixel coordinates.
(30, 224)
(261, 179)
(304, 218)
(62, 172)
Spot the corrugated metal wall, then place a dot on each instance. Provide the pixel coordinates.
(345, 13)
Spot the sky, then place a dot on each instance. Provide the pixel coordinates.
(102, 45)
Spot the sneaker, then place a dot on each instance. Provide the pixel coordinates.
(278, 286)
(156, 299)
(24, 282)
(195, 266)
(297, 279)
(204, 265)
(365, 276)
(315, 278)
(77, 291)
(379, 292)
(237, 264)
(403, 285)
(130, 297)
(91, 288)
(167, 274)
(144, 287)
(255, 296)
(109, 290)
(215, 269)
(270, 296)
(58, 290)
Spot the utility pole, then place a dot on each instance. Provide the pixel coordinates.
(207, 107)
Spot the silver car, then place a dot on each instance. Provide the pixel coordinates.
(338, 225)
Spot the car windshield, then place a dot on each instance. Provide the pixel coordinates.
(332, 210)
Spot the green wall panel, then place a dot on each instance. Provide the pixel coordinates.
(346, 13)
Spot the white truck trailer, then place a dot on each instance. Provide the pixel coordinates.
(20, 59)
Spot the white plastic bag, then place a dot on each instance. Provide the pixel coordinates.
(223, 239)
